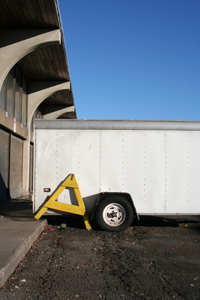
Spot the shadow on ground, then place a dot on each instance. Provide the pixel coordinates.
(167, 221)
(145, 221)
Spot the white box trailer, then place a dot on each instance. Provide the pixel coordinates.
(126, 167)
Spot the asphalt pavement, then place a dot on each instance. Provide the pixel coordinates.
(18, 231)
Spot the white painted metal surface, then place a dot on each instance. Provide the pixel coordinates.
(159, 168)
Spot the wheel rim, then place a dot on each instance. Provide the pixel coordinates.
(114, 214)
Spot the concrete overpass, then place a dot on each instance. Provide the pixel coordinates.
(34, 83)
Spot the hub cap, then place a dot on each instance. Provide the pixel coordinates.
(114, 214)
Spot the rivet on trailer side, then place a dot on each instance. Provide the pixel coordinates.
(124, 168)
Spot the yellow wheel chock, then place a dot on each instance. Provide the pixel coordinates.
(70, 182)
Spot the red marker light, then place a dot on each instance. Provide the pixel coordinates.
(47, 190)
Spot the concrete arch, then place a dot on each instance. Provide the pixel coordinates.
(58, 113)
(15, 44)
(39, 91)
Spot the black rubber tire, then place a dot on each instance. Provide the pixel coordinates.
(124, 203)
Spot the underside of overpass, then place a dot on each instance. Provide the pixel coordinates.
(34, 83)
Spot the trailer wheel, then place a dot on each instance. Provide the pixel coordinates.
(114, 213)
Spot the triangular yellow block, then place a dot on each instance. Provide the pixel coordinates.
(70, 182)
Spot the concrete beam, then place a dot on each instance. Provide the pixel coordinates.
(58, 113)
(15, 44)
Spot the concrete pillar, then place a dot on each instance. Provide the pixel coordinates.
(26, 164)
(15, 44)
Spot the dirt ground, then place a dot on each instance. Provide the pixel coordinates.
(155, 259)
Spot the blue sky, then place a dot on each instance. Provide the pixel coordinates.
(134, 59)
